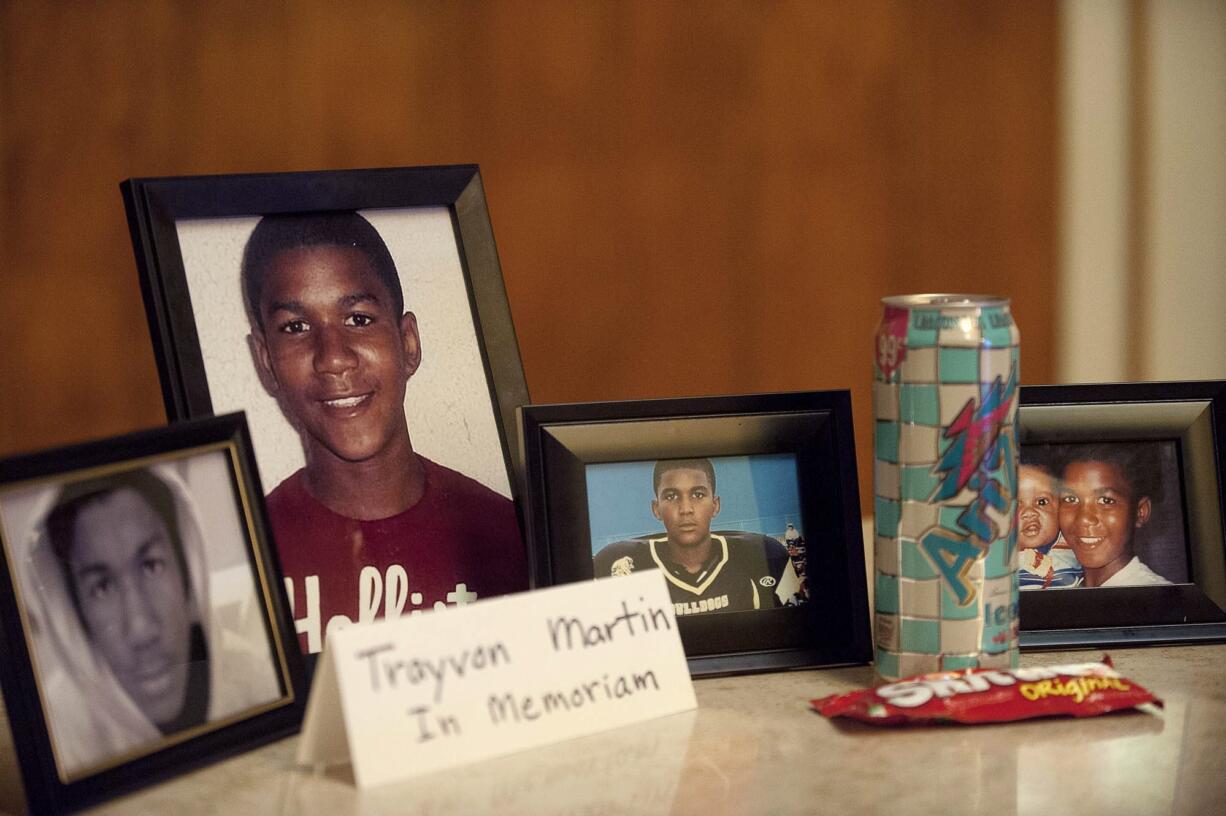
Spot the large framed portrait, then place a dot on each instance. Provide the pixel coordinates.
(747, 505)
(360, 320)
(1120, 502)
(142, 626)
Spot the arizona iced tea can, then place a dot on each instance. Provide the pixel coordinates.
(945, 484)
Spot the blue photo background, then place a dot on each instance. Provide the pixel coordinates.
(758, 494)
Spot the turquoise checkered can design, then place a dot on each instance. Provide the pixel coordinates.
(945, 448)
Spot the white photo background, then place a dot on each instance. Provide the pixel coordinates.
(448, 404)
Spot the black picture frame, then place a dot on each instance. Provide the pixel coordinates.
(190, 236)
(1190, 413)
(155, 206)
(207, 465)
(560, 441)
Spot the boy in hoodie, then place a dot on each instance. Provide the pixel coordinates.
(133, 645)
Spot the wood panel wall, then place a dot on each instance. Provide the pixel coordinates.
(689, 198)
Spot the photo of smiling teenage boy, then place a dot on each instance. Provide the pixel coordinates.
(726, 571)
(368, 528)
(1105, 499)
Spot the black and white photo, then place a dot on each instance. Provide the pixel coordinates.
(145, 598)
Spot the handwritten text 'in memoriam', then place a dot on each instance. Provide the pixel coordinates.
(390, 670)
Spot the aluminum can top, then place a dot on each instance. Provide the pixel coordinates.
(951, 301)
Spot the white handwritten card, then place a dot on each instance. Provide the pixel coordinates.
(431, 691)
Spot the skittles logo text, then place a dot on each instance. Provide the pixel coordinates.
(978, 449)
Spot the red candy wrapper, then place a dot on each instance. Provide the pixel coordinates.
(991, 695)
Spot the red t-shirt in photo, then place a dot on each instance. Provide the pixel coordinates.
(459, 543)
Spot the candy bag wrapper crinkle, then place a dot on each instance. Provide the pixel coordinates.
(992, 695)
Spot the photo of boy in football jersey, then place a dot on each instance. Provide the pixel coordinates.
(707, 571)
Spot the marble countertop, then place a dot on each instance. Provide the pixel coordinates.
(753, 746)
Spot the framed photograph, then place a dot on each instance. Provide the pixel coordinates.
(360, 320)
(1120, 502)
(143, 626)
(748, 505)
